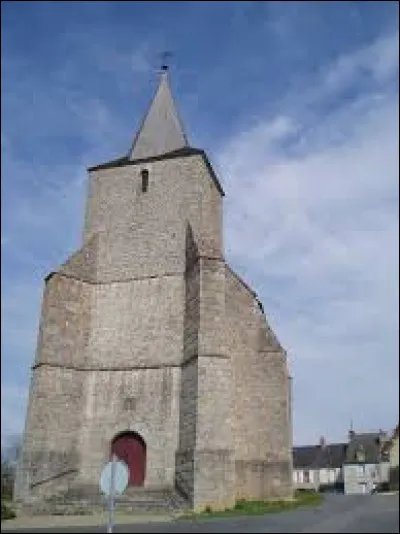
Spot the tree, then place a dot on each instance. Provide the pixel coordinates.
(9, 458)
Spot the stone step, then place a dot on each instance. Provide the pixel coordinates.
(166, 500)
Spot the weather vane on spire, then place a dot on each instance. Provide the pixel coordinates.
(165, 56)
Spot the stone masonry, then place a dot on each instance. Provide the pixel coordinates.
(146, 328)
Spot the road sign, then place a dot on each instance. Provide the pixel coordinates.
(113, 480)
(121, 477)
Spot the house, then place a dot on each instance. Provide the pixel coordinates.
(319, 467)
(366, 463)
(391, 447)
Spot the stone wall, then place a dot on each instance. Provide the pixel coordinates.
(262, 433)
(205, 461)
(214, 456)
(82, 265)
(143, 234)
(50, 451)
(142, 400)
(145, 328)
(189, 374)
(185, 476)
(49, 447)
(65, 322)
(137, 323)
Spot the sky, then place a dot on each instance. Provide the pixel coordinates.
(296, 104)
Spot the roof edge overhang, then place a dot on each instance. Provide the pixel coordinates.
(180, 153)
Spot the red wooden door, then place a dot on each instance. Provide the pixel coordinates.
(131, 449)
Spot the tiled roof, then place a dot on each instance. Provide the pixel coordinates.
(161, 130)
(304, 456)
(319, 456)
(365, 448)
(390, 441)
(160, 136)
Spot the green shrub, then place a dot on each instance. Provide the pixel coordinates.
(7, 481)
(6, 511)
(240, 504)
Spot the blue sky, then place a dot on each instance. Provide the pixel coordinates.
(297, 106)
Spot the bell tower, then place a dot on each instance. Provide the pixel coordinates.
(149, 340)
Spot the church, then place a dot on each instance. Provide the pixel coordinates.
(151, 347)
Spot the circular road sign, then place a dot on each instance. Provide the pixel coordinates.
(121, 477)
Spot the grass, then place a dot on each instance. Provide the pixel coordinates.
(6, 511)
(242, 507)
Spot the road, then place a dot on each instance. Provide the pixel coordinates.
(338, 514)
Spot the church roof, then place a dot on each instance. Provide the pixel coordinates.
(161, 130)
(160, 136)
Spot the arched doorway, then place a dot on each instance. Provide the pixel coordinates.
(130, 447)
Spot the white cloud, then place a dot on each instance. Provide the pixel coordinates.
(378, 60)
(312, 221)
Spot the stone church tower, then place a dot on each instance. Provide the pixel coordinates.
(150, 345)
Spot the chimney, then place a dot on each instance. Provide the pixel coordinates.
(322, 442)
(351, 433)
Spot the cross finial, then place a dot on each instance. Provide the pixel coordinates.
(165, 56)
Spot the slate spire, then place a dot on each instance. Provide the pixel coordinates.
(161, 130)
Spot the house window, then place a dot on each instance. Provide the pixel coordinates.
(360, 454)
(360, 470)
(306, 476)
(145, 180)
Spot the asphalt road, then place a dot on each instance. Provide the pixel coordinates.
(338, 514)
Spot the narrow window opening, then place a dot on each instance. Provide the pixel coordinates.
(145, 180)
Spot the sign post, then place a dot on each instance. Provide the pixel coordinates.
(113, 481)
(111, 497)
